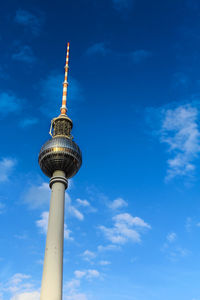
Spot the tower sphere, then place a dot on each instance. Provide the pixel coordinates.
(60, 153)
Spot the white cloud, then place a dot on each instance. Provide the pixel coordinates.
(24, 54)
(72, 210)
(42, 224)
(79, 274)
(172, 250)
(126, 228)
(37, 196)
(171, 237)
(16, 282)
(9, 103)
(104, 262)
(88, 274)
(72, 287)
(84, 203)
(76, 213)
(130, 220)
(92, 274)
(176, 253)
(121, 234)
(76, 296)
(88, 255)
(109, 247)
(19, 287)
(29, 20)
(67, 233)
(6, 168)
(98, 48)
(70, 184)
(139, 55)
(180, 132)
(118, 203)
(27, 296)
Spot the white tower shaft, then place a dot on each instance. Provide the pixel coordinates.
(53, 262)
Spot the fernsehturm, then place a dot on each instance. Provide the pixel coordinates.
(59, 158)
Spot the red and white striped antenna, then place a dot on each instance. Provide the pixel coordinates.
(63, 108)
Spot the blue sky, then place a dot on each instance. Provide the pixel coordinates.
(132, 216)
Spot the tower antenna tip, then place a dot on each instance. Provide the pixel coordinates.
(65, 84)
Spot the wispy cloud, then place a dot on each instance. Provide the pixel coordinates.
(29, 20)
(136, 56)
(177, 253)
(2, 207)
(126, 228)
(85, 204)
(76, 296)
(27, 122)
(179, 130)
(104, 262)
(72, 290)
(88, 274)
(6, 168)
(188, 224)
(180, 79)
(35, 295)
(117, 204)
(98, 48)
(139, 56)
(51, 92)
(9, 103)
(76, 213)
(88, 255)
(109, 247)
(172, 249)
(24, 54)
(122, 5)
(37, 196)
(171, 237)
(42, 224)
(72, 210)
(19, 287)
(72, 287)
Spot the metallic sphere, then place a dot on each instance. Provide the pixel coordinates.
(61, 154)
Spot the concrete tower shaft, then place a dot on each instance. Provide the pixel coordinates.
(60, 158)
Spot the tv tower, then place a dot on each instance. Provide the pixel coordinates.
(59, 158)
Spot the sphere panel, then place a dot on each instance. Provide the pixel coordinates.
(62, 154)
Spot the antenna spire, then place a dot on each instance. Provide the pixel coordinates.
(63, 108)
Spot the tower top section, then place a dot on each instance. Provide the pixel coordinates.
(63, 108)
(61, 153)
(62, 125)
